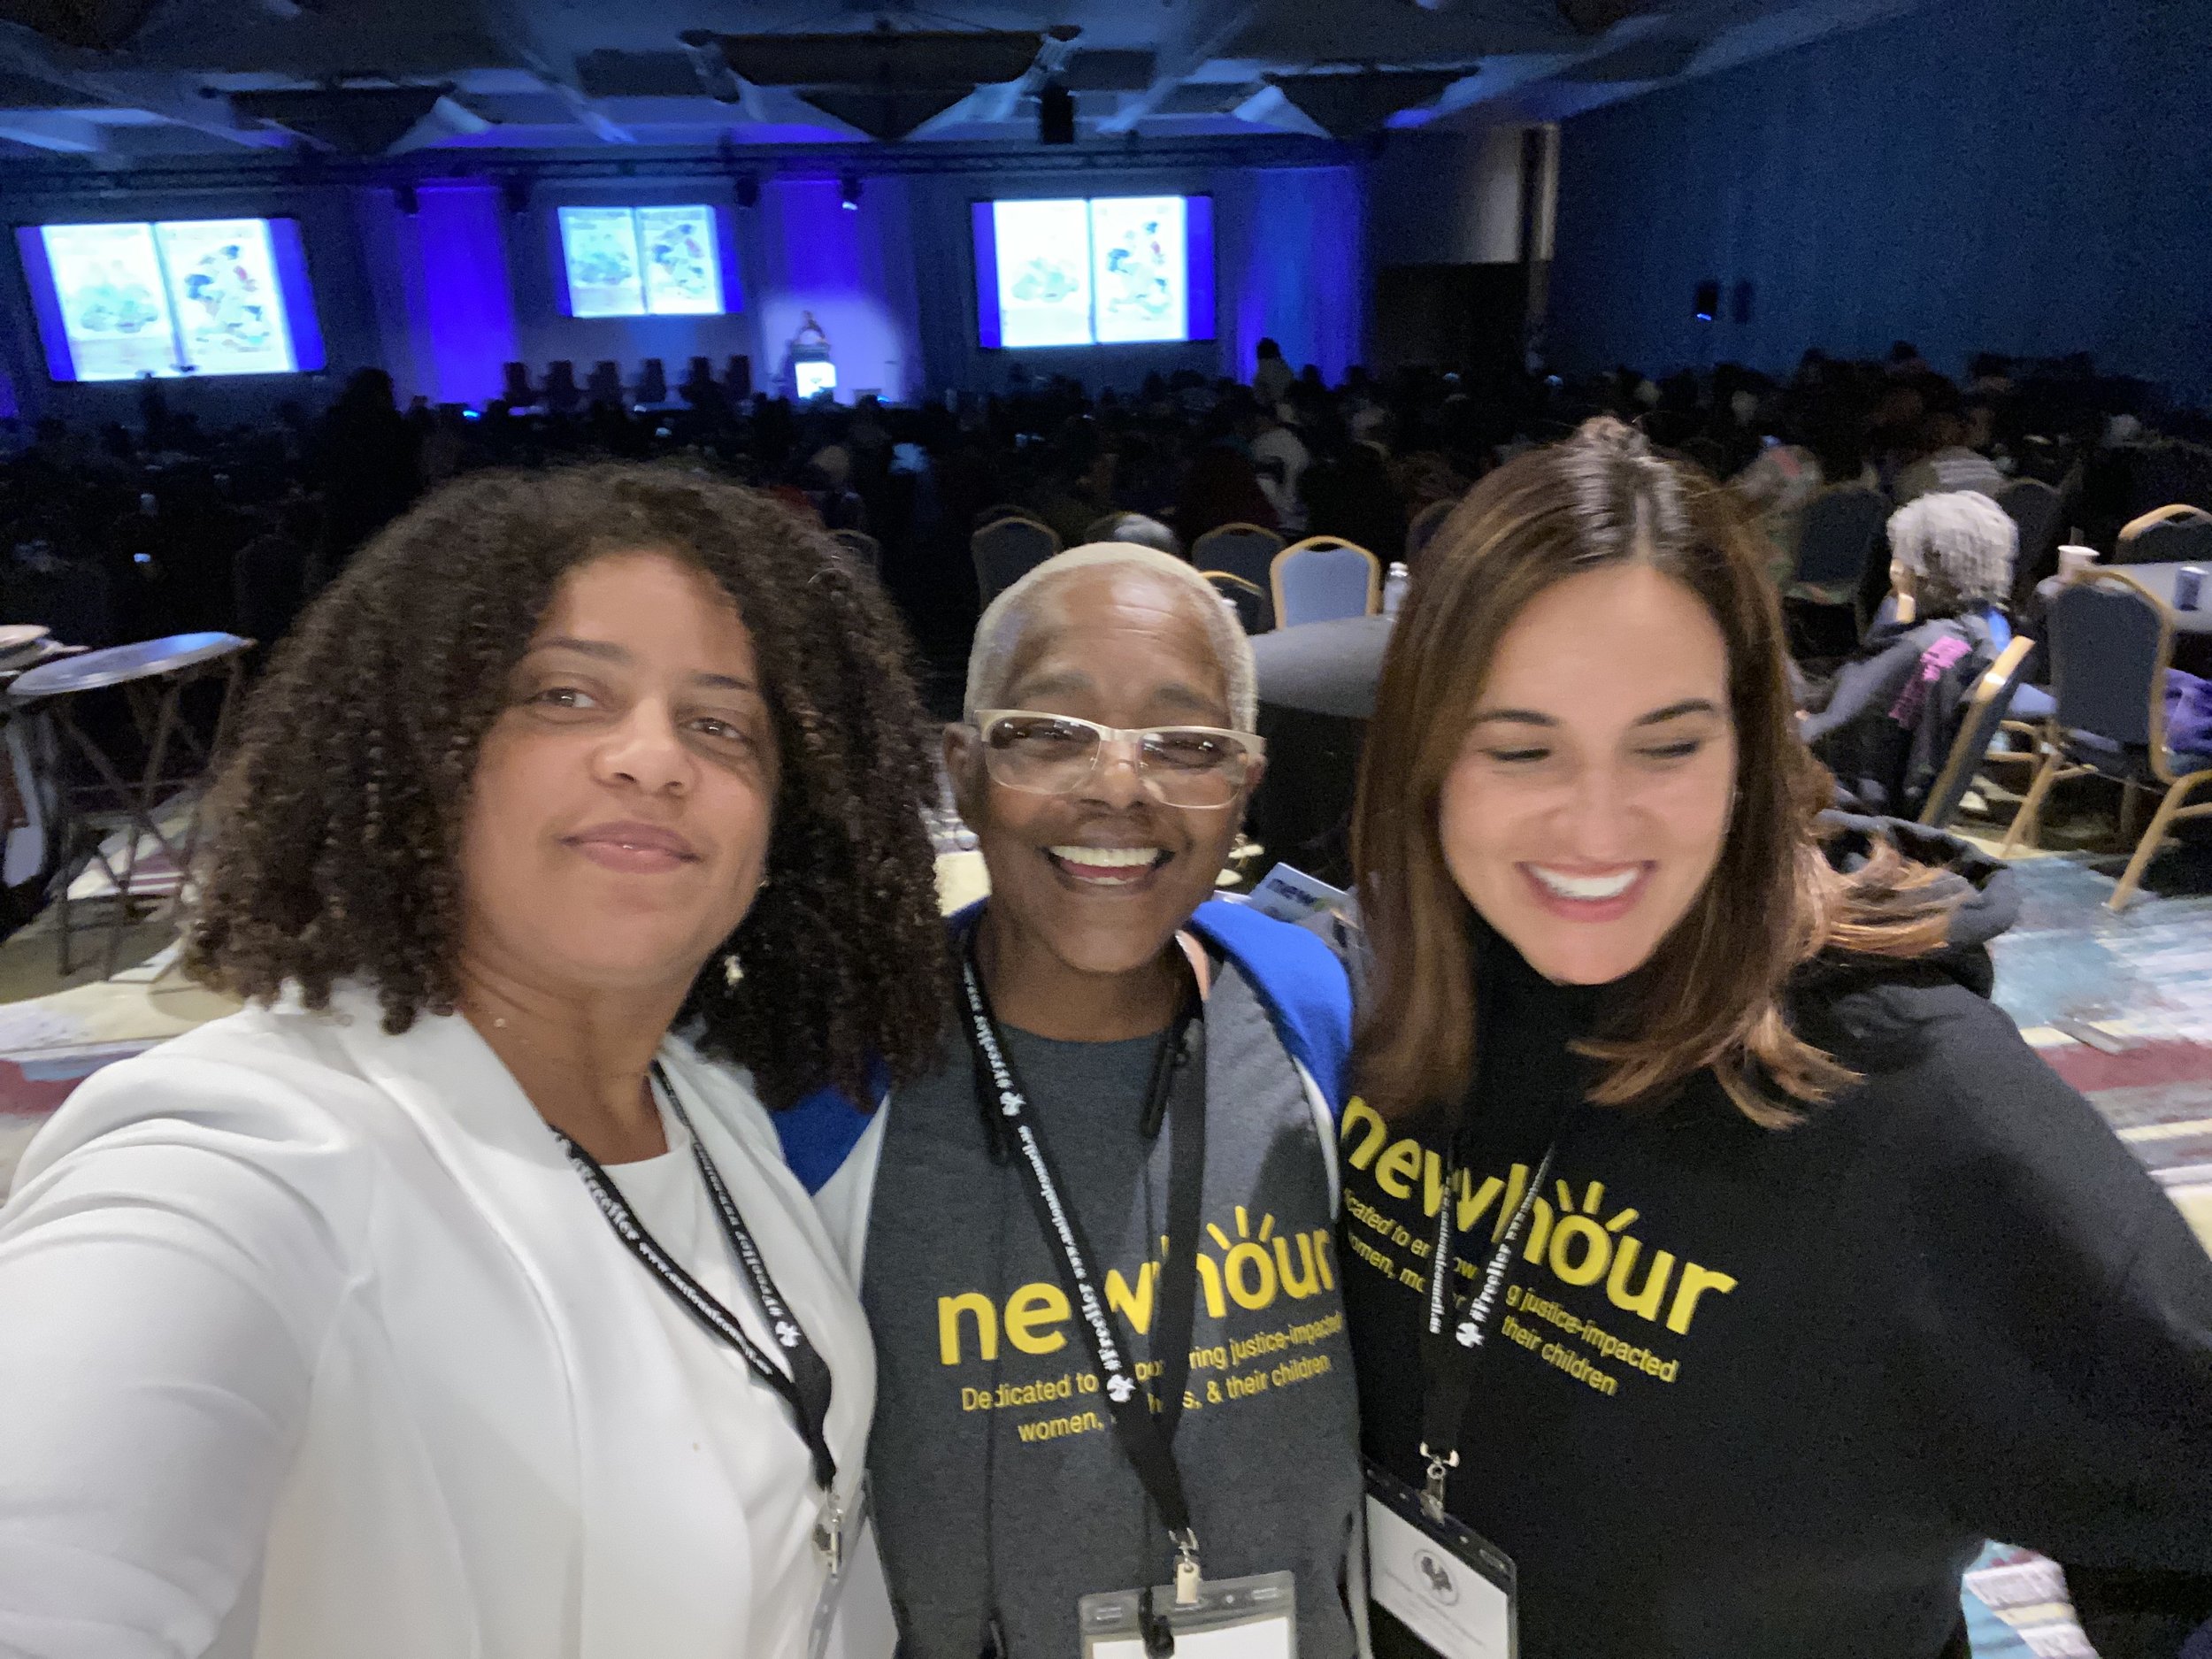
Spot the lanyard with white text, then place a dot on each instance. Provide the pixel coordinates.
(1178, 1085)
(806, 1390)
(1448, 1347)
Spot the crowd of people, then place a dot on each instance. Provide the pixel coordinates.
(626, 1218)
(167, 526)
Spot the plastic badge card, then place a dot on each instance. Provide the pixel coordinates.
(1439, 1580)
(1290, 894)
(1233, 1618)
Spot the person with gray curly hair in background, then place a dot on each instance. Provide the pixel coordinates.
(1895, 706)
(1954, 553)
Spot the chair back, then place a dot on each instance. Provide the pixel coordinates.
(1002, 510)
(605, 385)
(1424, 528)
(1984, 711)
(1246, 550)
(1248, 599)
(2032, 506)
(1838, 536)
(515, 385)
(1008, 551)
(2171, 535)
(652, 381)
(1323, 579)
(861, 545)
(2110, 641)
(561, 393)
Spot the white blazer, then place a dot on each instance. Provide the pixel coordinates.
(312, 1346)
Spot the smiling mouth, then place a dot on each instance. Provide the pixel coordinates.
(1108, 866)
(1587, 889)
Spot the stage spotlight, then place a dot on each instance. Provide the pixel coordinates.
(848, 188)
(1056, 114)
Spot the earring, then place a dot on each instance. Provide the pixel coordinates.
(733, 970)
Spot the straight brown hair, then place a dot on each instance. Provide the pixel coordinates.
(1711, 994)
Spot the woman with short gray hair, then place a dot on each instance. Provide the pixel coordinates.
(1096, 1244)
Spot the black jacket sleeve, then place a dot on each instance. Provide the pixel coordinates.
(2052, 1329)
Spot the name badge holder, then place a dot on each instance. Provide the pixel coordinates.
(1223, 1618)
(1452, 1588)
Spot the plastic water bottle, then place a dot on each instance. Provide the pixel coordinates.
(1395, 586)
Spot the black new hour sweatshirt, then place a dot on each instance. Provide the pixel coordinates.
(1758, 1391)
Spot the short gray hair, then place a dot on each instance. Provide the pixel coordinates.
(1134, 526)
(1960, 546)
(999, 634)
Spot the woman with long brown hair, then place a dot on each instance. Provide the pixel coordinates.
(1715, 1251)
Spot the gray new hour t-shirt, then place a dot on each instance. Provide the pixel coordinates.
(996, 1471)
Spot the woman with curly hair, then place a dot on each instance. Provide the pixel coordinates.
(453, 1299)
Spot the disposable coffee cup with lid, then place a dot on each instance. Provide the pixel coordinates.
(2073, 561)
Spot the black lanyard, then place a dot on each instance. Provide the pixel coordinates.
(806, 1390)
(1144, 1422)
(1450, 1344)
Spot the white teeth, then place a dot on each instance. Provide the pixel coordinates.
(1108, 857)
(1587, 887)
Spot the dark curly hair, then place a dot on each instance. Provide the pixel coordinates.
(336, 822)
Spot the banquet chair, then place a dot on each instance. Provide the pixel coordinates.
(1984, 714)
(1244, 550)
(1007, 550)
(1838, 536)
(1424, 528)
(1248, 599)
(2111, 642)
(2176, 535)
(605, 384)
(1323, 579)
(652, 381)
(1002, 510)
(2033, 507)
(515, 386)
(561, 393)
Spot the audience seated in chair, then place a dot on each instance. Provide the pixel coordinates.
(1888, 719)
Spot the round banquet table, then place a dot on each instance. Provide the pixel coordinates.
(1317, 689)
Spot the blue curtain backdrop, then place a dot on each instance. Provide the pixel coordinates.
(1976, 175)
(1299, 275)
(460, 303)
(853, 269)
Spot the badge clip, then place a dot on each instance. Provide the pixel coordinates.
(829, 1535)
(1186, 1569)
(1432, 1496)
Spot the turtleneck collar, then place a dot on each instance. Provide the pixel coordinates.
(1514, 996)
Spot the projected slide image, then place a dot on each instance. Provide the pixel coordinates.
(599, 246)
(114, 304)
(682, 277)
(1138, 268)
(223, 291)
(1044, 276)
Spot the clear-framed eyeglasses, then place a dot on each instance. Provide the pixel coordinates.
(1178, 766)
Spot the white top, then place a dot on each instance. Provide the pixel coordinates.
(317, 1348)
